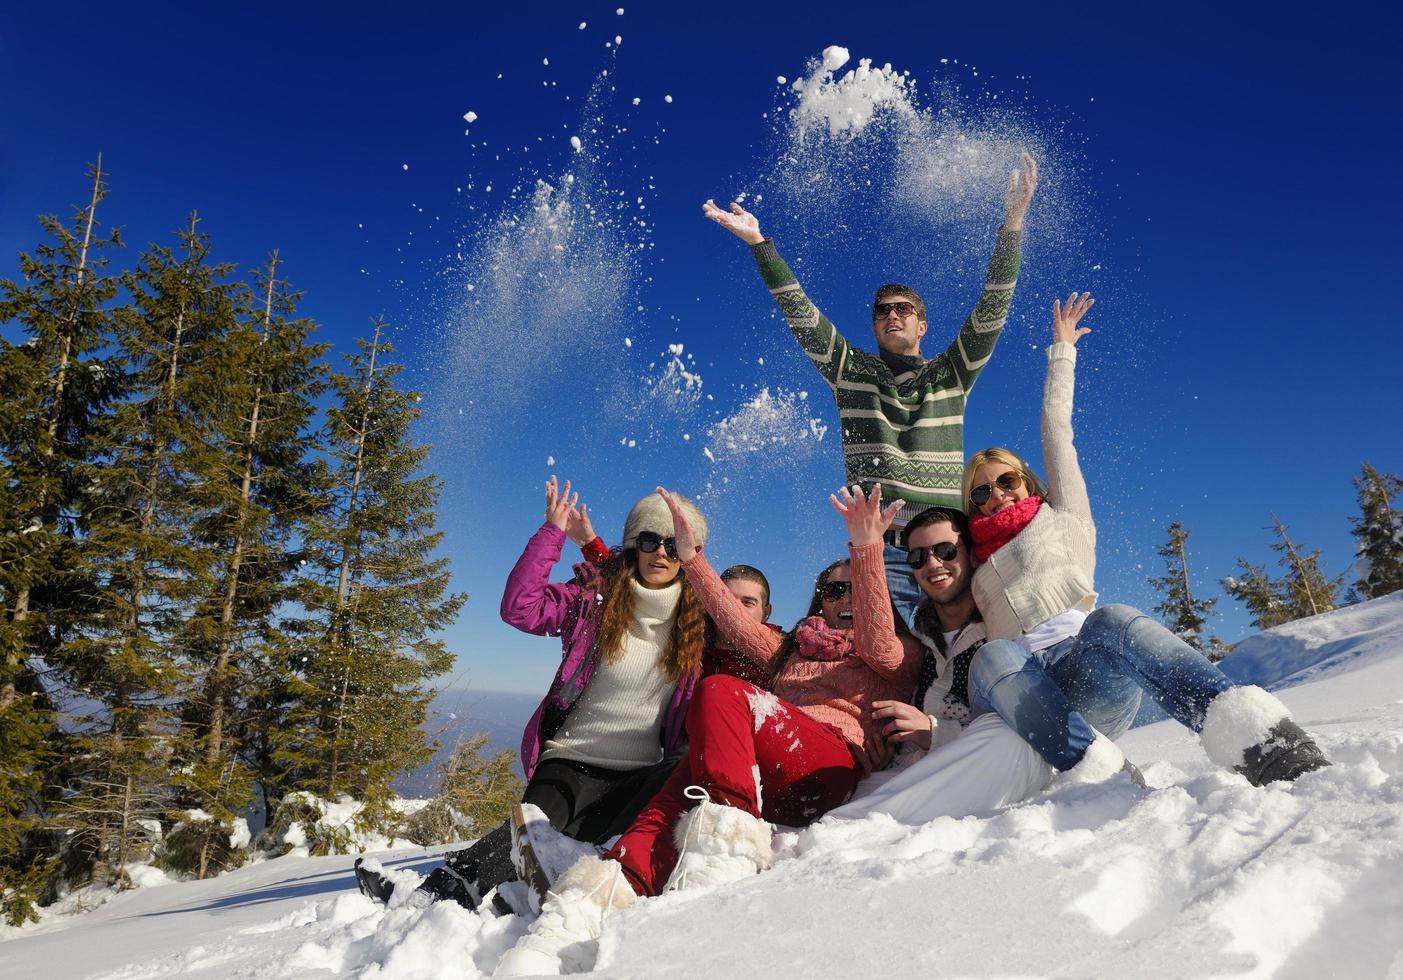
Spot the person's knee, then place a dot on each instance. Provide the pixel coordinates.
(1114, 616)
(994, 661)
(720, 686)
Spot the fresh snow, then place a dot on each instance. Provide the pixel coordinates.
(1199, 875)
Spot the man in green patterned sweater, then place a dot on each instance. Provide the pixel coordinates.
(902, 416)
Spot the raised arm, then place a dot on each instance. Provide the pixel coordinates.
(975, 342)
(530, 602)
(817, 336)
(1066, 486)
(874, 629)
(755, 640)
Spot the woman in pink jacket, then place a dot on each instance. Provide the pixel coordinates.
(754, 757)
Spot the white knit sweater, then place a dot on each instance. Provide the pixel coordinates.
(1049, 567)
(617, 722)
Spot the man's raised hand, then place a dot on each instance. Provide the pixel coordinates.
(1021, 185)
(681, 530)
(738, 221)
(866, 518)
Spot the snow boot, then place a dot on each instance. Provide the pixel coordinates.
(445, 884)
(1101, 761)
(372, 884)
(564, 937)
(718, 844)
(528, 869)
(1249, 731)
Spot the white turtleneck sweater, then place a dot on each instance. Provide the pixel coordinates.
(617, 722)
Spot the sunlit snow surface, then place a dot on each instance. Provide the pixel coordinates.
(1200, 875)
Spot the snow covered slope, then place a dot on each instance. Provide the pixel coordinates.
(1199, 875)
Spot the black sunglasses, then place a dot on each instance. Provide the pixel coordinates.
(650, 541)
(1008, 482)
(833, 591)
(943, 550)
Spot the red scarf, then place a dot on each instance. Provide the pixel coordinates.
(819, 641)
(996, 530)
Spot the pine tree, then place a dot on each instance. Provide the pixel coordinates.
(1379, 532)
(146, 567)
(252, 517)
(376, 595)
(57, 383)
(476, 795)
(1264, 598)
(1180, 611)
(1306, 589)
(1303, 591)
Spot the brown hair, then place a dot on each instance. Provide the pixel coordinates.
(748, 573)
(900, 289)
(683, 655)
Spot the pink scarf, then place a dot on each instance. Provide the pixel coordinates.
(992, 532)
(819, 641)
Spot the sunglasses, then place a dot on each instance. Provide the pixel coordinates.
(833, 591)
(650, 541)
(901, 308)
(943, 550)
(1008, 482)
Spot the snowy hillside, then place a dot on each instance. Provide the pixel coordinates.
(1199, 875)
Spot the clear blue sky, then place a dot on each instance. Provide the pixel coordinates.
(1224, 178)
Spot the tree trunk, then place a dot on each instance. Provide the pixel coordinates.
(218, 683)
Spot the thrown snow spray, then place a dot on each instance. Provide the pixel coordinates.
(544, 290)
(768, 430)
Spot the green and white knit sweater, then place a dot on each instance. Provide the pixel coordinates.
(904, 430)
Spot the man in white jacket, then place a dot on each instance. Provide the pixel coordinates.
(950, 764)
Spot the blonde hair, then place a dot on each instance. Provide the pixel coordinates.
(998, 454)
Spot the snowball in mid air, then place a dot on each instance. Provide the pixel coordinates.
(835, 57)
(575, 142)
(470, 116)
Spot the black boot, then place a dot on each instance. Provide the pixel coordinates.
(445, 884)
(373, 884)
(1287, 752)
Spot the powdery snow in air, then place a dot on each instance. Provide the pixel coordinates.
(470, 116)
(766, 423)
(1198, 875)
(575, 144)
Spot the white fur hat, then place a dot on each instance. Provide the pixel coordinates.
(651, 514)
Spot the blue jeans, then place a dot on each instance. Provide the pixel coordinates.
(905, 593)
(1055, 697)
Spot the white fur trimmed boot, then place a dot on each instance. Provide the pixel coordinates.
(1250, 731)
(718, 844)
(1101, 761)
(563, 939)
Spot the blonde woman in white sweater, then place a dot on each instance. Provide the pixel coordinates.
(1069, 676)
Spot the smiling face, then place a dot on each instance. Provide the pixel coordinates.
(898, 332)
(838, 613)
(657, 571)
(945, 582)
(999, 498)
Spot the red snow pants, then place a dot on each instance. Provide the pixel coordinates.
(738, 736)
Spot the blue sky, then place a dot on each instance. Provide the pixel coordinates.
(1222, 177)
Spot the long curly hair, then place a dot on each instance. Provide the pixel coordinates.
(683, 655)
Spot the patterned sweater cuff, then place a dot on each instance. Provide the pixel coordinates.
(765, 252)
(1062, 351)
